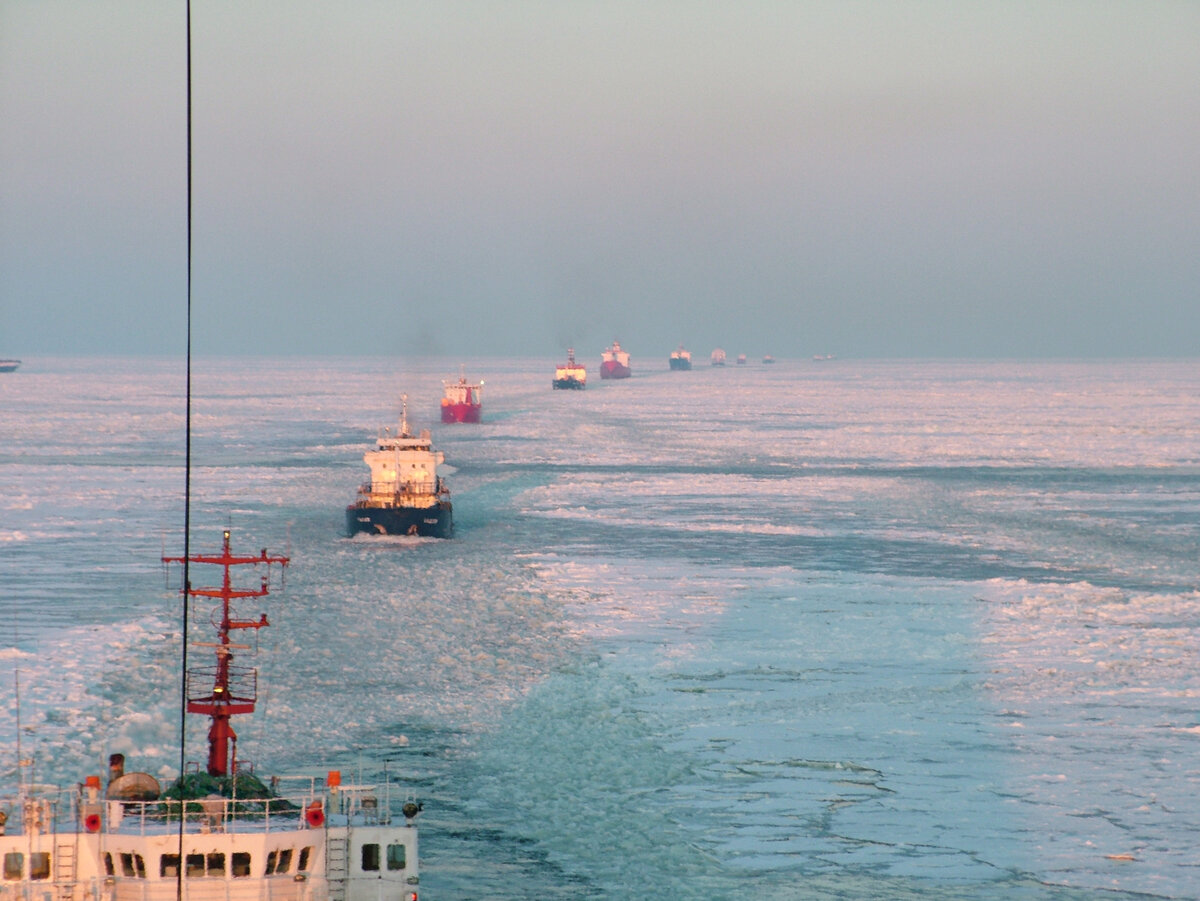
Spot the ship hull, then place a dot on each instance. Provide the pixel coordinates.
(680, 364)
(610, 369)
(570, 383)
(461, 412)
(429, 522)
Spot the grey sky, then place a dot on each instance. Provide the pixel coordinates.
(869, 179)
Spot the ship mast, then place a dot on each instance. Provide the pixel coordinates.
(225, 691)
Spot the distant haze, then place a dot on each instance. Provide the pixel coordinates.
(869, 179)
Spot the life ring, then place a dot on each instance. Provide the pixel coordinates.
(314, 815)
(91, 822)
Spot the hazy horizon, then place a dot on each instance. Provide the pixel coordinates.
(873, 180)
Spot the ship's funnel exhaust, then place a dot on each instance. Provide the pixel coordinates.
(116, 767)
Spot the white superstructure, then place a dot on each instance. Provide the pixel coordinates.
(326, 842)
(403, 469)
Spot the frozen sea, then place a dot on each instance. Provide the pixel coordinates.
(848, 629)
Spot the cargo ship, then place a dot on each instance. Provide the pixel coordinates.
(405, 496)
(570, 375)
(614, 363)
(718, 357)
(9, 365)
(768, 359)
(741, 359)
(462, 401)
(680, 359)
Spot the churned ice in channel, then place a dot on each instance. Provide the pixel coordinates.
(855, 629)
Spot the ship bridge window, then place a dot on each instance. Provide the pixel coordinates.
(305, 854)
(39, 865)
(240, 865)
(195, 865)
(397, 857)
(132, 865)
(370, 858)
(14, 865)
(168, 866)
(215, 864)
(279, 861)
(108, 865)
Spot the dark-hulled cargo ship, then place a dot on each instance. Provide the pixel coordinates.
(405, 495)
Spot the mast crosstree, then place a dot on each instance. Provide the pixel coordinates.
(223, 691)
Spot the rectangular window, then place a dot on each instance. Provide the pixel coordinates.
(241, 863)
(216, 864)
(108, 865)
(272, 857)
(285, 861)
(14, 865)
(39, 865)
(305, 853)
(168, 866)
(127, 864)
(397, 857)
(139, 864)
(370, 858)
(195, 865)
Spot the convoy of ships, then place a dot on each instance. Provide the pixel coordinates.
(405, 495)
(221, 832)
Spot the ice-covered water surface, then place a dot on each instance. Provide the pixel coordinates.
(837, 630)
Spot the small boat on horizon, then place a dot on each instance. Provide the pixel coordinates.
(718, 357)
(9, 365)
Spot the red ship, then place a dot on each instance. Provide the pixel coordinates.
(615, 363)
(462, 401)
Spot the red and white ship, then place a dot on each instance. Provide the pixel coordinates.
(614, 363)
(462, 401)
(570, 375)
(218, 832)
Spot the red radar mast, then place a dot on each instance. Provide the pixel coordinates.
(225, 690)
